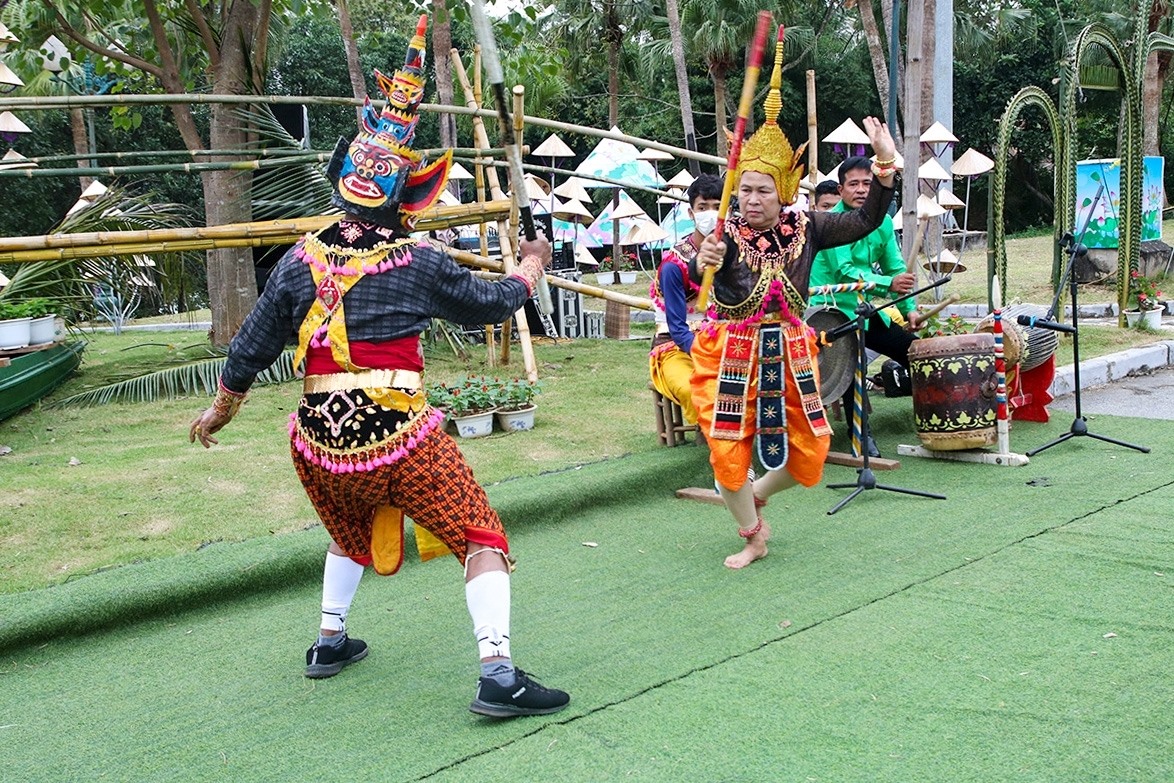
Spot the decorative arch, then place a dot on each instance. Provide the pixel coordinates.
(1063, 186)
(1129, 223)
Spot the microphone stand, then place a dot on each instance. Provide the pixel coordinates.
(865, 478)
(1079, 427)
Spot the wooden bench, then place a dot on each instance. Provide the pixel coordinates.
(671, 428)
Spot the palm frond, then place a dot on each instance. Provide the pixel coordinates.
(183, 381)
(282, 192)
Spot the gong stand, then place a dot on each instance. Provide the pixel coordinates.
(1079, 427)
(865, 478)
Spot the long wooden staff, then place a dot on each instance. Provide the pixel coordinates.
(513, 153)
(745, 106)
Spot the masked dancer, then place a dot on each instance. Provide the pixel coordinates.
(365, 443)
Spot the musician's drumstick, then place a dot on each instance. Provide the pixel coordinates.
(942, 305)
(911, 262)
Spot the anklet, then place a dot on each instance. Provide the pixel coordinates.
(752, 532)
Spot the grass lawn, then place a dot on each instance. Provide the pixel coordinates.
(92, 488)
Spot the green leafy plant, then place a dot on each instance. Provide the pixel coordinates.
(517, 394)
(474, 394)
(12, 310)
(39, 307)
(1144, 292)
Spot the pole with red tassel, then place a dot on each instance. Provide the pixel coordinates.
(745, 106)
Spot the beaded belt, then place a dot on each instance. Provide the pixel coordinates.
(367, 379)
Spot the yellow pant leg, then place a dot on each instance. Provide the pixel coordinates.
(672, 373)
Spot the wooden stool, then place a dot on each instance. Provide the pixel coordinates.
(670, 421)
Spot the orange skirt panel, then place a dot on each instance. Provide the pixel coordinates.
(731, 459)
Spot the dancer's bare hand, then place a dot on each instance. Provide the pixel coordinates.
(206, 424)
(711, 253)
(880, 138)
(538, 248)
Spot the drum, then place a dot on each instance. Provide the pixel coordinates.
(954, 383)
(837, 361)
(1026, 346)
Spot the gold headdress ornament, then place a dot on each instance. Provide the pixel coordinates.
(768, 151)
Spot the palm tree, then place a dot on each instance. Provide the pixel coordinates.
(681, 71)
(721, 31)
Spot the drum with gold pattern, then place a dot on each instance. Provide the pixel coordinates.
(954, 385)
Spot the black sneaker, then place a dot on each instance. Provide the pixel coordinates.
(524, 697)
(328, 660)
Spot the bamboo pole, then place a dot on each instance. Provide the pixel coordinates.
(164, 168)
(812, 135)
(100, 244)
(504, 234)
(483, 230)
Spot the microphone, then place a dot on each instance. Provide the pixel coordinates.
(1055, 326)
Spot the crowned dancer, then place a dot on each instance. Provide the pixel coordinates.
(755, 374)
(365, 443)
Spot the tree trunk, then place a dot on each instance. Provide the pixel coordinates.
(682, 71)
(81, 142)
(232, 282)
(718, 73)
(613, 64)
(876, 52)
(887, 18)
(354, 68)
(912, 150)
(441, 46)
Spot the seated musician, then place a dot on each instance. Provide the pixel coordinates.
(674, 295)
(877, 259)
(754, 371)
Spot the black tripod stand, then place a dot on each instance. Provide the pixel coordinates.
(1079, 426)
(865, 478)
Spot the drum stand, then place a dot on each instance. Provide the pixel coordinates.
(1079, 426)
(865, 478)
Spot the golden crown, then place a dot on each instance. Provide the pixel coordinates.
(768, 151)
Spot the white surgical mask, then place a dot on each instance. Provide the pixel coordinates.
(705, 221)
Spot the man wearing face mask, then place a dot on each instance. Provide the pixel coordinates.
(674, 294)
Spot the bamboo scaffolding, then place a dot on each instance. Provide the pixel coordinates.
(93, 101)
(164, 168)
(100, 244)
(483, 232)
(812, 136)
(261, 152)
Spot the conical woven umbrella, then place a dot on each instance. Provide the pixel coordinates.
(573, 188)
(651, 154)
(457, 171)
(583, 256)
(553, 147)
(628, 209)
(682, 179)
(970, 164)
(932, 170)
(928, 208)
(11, 124)
(937, 134)
(573, 211)
(847, 137)
(14, 160)
(642, 232)
(949, 200)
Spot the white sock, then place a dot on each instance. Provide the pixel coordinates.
(340, 580)
(488, 597)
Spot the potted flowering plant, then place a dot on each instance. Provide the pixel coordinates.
(620, 270)
(516, 407)
(1145, 294)
(472, 400)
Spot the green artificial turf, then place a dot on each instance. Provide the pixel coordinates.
(900, 639)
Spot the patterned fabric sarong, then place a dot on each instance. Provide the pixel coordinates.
(731, 459)
(433, 485)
